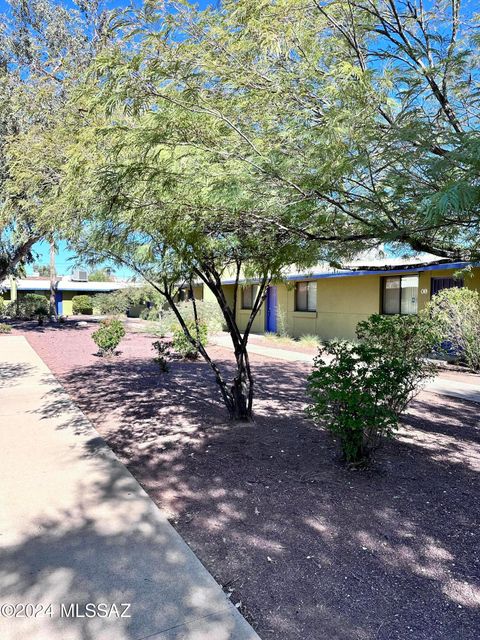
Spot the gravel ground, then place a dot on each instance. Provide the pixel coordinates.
(310, 550)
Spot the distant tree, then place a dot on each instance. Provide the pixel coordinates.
(100, 275)
(41, 269)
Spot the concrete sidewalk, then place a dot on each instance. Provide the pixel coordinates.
(269, 352)
(77, 528)
(443, 386)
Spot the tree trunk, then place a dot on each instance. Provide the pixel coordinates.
(240, 391)
(53, 281)
(9, 260)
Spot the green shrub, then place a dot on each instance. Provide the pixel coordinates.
(152, 314)
(108, 336)
(208, 313)
(409, 337)
(82, 304)
(456, 313)
(163, 354)
(118, 302)
(182, 344)
(5, 328)
(115, 303)
(358, 391)
(282, 323)
(27, 307)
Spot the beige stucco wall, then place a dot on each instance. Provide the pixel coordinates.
(470, 279)
(341, 303)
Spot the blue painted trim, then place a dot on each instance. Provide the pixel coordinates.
(385, 272)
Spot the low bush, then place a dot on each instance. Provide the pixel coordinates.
(456, 313)
(208, 314)
(182, 344)
(108, 336)
(409, 337)
(282, 324)
(118, 302)
(82, 305)
(5, 328)
(162, 350)
(115, 303)
(152, 314)
(358, 391)
(28, 307)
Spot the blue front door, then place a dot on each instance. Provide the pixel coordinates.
(58, 303)
(271, 310)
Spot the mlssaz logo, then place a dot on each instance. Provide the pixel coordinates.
(95, 610)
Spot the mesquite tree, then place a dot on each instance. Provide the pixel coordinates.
(171, 224)
(44, 48)
(360, 116)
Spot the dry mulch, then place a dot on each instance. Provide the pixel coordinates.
(311, 550)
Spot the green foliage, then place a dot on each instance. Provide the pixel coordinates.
(119, 301)
(282, 323)
(162, 350)
(358, 391)
(29, 306)
(409, 337)
(108, 336)
(100, 275)
(5, 328)
(152, 314)
(182, 344)
(45, 48)
(82, 304)
(42, 269)
(456, 313)
(249, 89)
(115, 303)
(208, 314)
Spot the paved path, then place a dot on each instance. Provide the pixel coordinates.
(76, 527)
(443, 386)
(269, 352)
(455, 389)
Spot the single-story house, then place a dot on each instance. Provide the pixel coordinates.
(330, 302)
(67, 287)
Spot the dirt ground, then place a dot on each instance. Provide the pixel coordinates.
(312, 551)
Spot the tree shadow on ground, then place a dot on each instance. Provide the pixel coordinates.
(109, 547)
(77, 528)
(12, 372)
(312, 550)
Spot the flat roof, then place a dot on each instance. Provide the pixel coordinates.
(39, 284)
(330, 272)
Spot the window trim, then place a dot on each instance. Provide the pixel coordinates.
(382, 297)
(306, 310)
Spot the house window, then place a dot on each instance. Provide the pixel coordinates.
(249, 294)
(400, 295)
(306, 296)
(445, 283)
